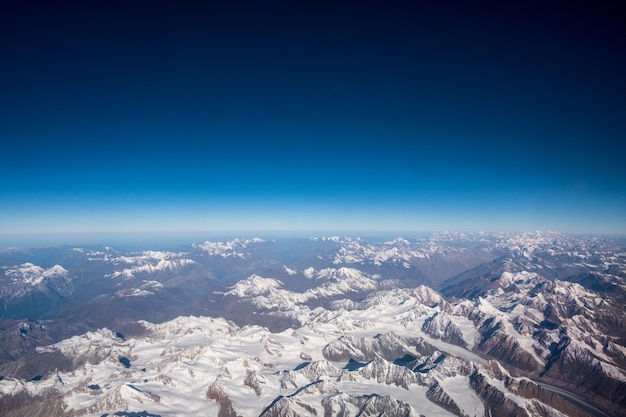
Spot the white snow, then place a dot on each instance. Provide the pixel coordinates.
(458, 388)
(148, 262)
(289, 271)
(237, 248)
(34, 274)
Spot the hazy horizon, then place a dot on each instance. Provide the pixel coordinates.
(158, 240)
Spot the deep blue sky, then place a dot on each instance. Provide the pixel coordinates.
(312, 115)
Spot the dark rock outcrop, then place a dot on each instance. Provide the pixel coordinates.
(437, 395)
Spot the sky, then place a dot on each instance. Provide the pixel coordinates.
(124, 116)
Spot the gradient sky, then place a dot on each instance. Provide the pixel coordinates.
(309, 115)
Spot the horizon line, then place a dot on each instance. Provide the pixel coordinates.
(161, 238)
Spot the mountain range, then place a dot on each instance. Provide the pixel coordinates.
(449, 324)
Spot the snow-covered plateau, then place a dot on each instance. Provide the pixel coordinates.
(445, 325)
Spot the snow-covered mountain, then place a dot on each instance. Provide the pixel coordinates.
(237, 248)
(147, 262)
(198, 364)
(326, 326)
(28, 288)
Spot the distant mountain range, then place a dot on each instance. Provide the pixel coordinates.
(451, 324)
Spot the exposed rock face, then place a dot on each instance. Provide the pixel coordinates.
(367, 405)
(46, 404)
(531, 390)
(443, 328)
(320, 370)
(216, 392)
(285, 407)
(573, 364)
(366, 349)
(437, 395)
(496, 403)
(496, 343)
(295, 404)
(387, 373)
(384, 406)
(559, 331)
(255, 381)
(288, 380)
